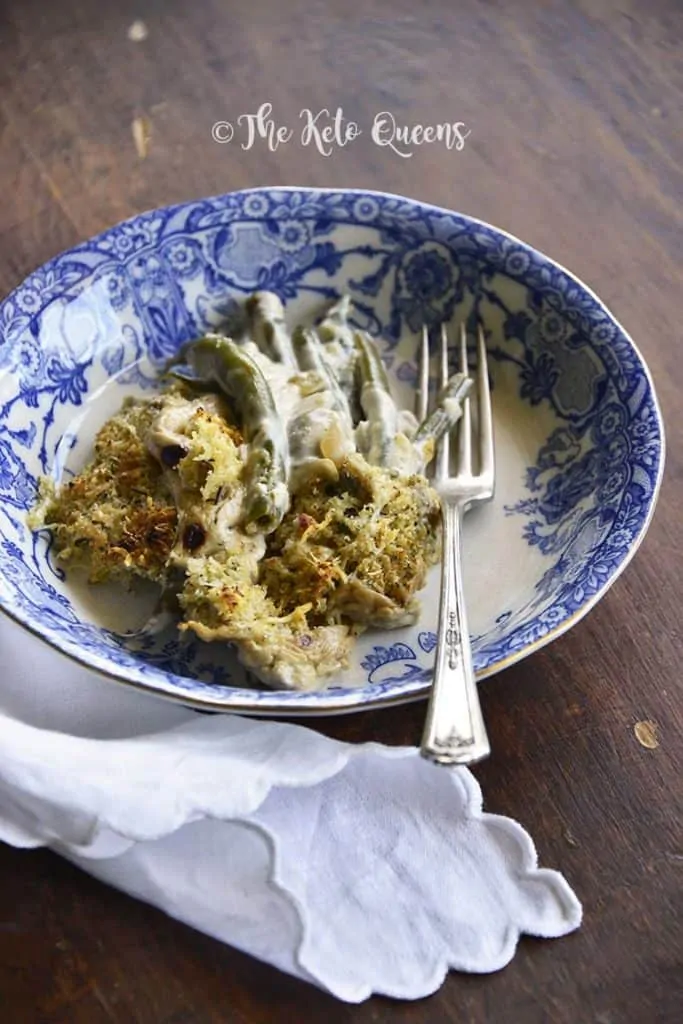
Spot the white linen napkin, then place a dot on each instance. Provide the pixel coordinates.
(360, 868)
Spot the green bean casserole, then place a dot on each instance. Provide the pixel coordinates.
(271, 487)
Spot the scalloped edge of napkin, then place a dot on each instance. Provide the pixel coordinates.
(96, 800)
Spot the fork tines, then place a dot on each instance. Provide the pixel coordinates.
(485, 452)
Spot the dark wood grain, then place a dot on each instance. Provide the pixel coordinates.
(576, 146)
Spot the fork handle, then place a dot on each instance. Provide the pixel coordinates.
(454, 731)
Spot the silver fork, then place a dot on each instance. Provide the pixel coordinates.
(454, 731)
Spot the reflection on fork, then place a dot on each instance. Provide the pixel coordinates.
(454, 731)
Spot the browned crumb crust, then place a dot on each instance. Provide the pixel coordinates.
(367, 530)
(117, 517)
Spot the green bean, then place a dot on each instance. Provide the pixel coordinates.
(376, 400)
(446, 414)
(339, 310)
(448, 409)
(334, 327)
(337, 337)
(222, 361)
(311, 356)
(268, 328)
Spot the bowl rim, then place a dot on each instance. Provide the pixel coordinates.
(328, 702)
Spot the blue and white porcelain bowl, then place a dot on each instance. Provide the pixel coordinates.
(579, 436)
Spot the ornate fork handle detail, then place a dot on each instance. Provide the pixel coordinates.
(454, 730)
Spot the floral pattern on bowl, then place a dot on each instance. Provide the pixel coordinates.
(579, 436)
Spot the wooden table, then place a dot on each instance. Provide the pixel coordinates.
(576, 145)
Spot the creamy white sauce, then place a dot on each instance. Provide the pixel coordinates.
(307, 428)
(170, 426)
(380, 409)
(405, 457)
(312, 422)
(407, 422)
(453, 408)
(281, 380)
(227, 516)
(341, 356)
(269, 314)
